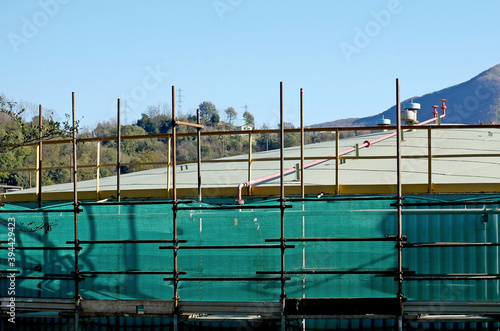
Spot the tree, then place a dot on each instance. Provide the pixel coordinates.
(249, 119)
(231, 115)
(267, 141)
(291, 138)
(133, 146)
(209, 113)
(18, 132)
(154, 125)
(160, 109)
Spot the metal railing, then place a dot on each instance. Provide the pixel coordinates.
(250, 160)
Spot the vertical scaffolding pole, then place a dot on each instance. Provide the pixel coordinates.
(399, 205)
(302, 193)
(118, 151)
(282, 208)
(37, 173)
(169, 173)
(40, 135)
(337, 162)
(98, 169)
(174, 211)
(198, 121)
(75, 215)
(429, 160)
(250, 162)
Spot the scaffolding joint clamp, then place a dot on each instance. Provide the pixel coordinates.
(403, 238)
(78, 275)
(77, 245)
(175, 206)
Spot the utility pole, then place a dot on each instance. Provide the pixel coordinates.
(179, 101)
(125, 110)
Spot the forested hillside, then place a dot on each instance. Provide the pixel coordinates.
(16, 131)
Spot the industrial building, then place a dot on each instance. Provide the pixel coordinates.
(396, 229)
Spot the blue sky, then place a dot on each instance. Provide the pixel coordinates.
(345, 54)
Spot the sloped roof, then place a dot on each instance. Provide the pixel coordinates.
(461, 144)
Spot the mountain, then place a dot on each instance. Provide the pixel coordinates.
(331, 124)
(471, 102)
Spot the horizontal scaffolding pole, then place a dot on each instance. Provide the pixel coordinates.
(232, 207)
(435, 211)
(132, 272)
(422, 156)
(246, 132)
(152, 241)
(342, 199)
(132, 203)
(331, 272)
(448, 244)
(452, 203)
(40, 248)
(269, 159)
(388, 238)
(220, 279)
(194, 125)
(453, 277)
(227, 246)
(40, 300)
(17, 211)
(72, 278)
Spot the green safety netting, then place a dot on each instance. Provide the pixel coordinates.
(220, 226)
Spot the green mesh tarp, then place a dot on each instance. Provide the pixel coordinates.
(305, 219)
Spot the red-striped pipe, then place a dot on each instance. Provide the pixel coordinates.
(366, 143)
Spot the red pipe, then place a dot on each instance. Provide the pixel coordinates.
(435, 112)
(366, 143)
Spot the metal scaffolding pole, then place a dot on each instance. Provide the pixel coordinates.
(302, 193)
(198, 135)
(75, 218)
(40, 136)
(337, 162)
(250, 161)
(399, 244)
(97, 168)
(118, 151)
(429, 160)
(282, 208)
(174, 212)
(169, 165)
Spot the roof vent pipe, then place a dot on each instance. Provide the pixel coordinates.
(410, 113)
(383, 122)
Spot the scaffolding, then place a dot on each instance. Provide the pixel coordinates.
(396, 308)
